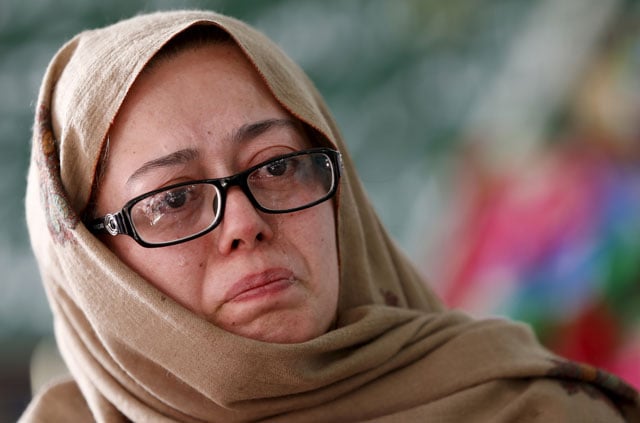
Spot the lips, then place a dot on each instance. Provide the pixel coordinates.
(251, 286)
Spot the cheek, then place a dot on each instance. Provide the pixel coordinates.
(326, 272)
(173, 270)
(312, 232)
(316, 239)
(326, 233)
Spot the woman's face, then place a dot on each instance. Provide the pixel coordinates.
(270, 277)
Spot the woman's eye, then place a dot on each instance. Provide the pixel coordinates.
(173, 205)
(277, 168)
(278, 171)
(170, 200)
(177, 198)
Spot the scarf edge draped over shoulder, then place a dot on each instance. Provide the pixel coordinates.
(395, 355)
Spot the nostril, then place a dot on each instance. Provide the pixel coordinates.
(235, 244)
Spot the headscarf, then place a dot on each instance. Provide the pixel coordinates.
(395, 354)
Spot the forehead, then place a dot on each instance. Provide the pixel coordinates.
(213, 84)
(216, 61)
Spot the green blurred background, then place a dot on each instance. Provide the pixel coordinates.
(439, 101)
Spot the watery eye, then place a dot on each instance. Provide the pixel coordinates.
(176, 199)
(278, 168)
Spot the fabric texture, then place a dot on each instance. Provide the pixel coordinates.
(396, 354)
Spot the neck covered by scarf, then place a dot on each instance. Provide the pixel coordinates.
(396, 354)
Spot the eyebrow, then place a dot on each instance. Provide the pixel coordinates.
(243, 133)
(176, 158)
(255, 129)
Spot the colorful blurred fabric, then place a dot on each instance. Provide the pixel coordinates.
(556, 245)
(556, 241)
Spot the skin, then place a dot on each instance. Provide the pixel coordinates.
(268, 277)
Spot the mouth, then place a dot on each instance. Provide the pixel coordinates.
(260, 284)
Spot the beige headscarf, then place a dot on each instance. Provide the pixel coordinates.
(395, 355)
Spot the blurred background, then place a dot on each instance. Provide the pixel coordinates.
(499, 141)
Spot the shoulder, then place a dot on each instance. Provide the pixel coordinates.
(59, 401)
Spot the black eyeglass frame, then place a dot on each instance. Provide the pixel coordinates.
(120, 223)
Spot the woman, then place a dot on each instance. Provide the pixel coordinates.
(188, 283)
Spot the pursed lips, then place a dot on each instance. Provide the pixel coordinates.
(254, 283)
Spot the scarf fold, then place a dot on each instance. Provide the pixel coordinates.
(134, 354)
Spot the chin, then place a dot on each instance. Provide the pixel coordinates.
(281, 337)
(288, 338)
(281, 333)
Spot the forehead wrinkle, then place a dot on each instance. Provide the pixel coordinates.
(176, 158)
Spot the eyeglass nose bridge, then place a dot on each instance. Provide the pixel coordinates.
(239, 180)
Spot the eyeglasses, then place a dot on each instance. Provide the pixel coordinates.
(184, 211)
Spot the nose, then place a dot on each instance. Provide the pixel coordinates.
(242, 226)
